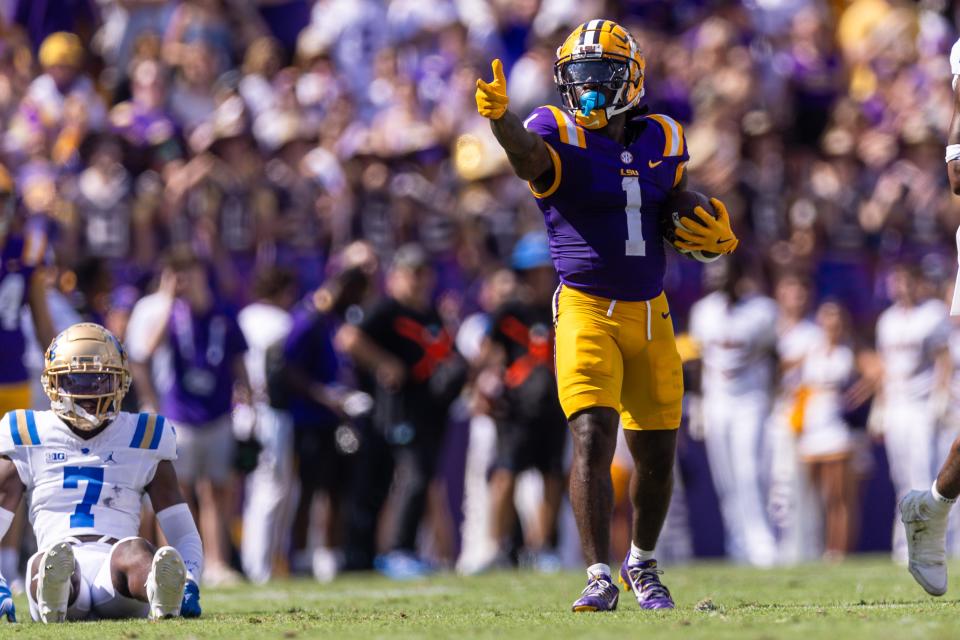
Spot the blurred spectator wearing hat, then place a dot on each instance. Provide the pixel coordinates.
(61, 104)
(531, 426)
(407, 362)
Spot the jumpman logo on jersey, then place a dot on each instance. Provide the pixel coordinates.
(109, 458)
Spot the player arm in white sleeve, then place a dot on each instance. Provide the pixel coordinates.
(175, 518)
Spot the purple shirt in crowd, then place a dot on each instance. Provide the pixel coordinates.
(309, 346)
(203, 349)
(19, 256)
(603, 207)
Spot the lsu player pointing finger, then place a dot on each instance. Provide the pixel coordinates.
(599, 169)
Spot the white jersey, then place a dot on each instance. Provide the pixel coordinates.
(736, 341)
(793, 344)
(263, 325)
(909, 340)
(825, 373)
(80, 487)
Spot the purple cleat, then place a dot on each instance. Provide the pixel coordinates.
(600, 595)
(644, 580)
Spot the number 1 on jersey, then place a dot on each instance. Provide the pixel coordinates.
(93, 476)
(636, 246)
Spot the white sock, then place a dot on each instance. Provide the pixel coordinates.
(939, 503)
(8, 563)
(638, 555)
(597, 570)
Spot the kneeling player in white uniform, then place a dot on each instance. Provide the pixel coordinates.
(85, 466)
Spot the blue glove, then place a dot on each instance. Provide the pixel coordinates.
(190, 608)
(6, 603)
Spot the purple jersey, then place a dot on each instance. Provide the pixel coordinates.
(602, 207)
(19, 256)
(203, 350)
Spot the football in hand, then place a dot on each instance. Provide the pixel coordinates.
(680, 204)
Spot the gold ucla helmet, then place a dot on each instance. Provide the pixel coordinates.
(85, 375)
(599, 53)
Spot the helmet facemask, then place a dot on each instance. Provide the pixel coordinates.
(609, 73)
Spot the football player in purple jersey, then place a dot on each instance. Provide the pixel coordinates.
(599, 169)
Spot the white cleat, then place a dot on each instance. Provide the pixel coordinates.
(165, 583)
(926, 542)
(53, 582)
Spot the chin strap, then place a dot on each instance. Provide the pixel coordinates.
(67, 407)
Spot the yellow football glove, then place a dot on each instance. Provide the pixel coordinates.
(714, 235)
(492, 98)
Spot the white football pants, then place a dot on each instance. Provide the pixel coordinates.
(910, 440)
(733, 433)
(271, 495)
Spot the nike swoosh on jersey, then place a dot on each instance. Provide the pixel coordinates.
(654, 165)
(665, 315)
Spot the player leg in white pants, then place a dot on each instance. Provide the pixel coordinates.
(793, 505)
(733, 428)
(479, 548)
(909, 437)
(271, 495)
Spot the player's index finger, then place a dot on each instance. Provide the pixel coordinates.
(718, 206)
(497, 70)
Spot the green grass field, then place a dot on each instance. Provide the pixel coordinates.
(864, 598)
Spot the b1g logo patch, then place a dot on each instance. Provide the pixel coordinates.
(56, 456)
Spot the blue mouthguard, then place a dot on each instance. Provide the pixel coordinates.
(591, 100)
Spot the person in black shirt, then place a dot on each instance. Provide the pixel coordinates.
(406, 360)
(531, 426)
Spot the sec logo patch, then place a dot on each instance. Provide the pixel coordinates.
(626, 157)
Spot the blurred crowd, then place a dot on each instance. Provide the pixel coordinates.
(327, 275)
